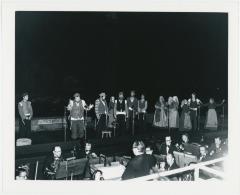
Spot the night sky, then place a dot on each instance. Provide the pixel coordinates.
(59, 53)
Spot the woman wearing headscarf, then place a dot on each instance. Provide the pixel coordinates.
(160, 117)
(211, 117)
(173, 112)
(185, 121)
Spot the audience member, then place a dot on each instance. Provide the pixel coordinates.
(171, 165)
(216, 149)
(167, 147)
(184, 141)
(203, 154)
(52, 163)
(140, 165)
(22, 174)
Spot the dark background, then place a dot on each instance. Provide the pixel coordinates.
(59, 53)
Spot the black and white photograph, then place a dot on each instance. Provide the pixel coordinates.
(126, 96)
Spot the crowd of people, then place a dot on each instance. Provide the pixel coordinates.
(123, 114)
(146, 159)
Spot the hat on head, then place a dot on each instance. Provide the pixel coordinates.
(24, 94)
(102, 94)
(76, 95)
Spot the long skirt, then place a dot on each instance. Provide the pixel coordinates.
(185, 122)
(160, 119)
(110, 119)
(173, 119)
(211, 120)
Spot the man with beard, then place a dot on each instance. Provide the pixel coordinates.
(76, 108)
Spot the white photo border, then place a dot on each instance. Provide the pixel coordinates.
(7, 84)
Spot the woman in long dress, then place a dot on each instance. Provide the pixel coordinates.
(211, 117)
(185, 121)
(111, 112)
(173, 112)
(160, 117)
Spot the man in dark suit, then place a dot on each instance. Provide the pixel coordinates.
(216, 150)
(140, 165)
(203, 154)
(149, 152)
(171, 165)
(52, 163)
(167, 147)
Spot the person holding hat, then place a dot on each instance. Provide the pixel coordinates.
(76, 108)
(26, 113)
(101, 110)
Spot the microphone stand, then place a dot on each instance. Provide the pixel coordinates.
(106, 120)
(85, 124)
(65, 124)
(199, 118)
(223, 115)
(169, 129)
(133, 122)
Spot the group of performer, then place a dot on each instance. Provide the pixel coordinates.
(122, 114)
(167, 115)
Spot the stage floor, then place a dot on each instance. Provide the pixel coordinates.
(151, 132)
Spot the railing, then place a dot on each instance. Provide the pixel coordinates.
(195, 167)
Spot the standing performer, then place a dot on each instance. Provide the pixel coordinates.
(211, 118)
(76, 108)
(185, 121)
(101, 110)
(193, 106)
(120, 112)
(132, 105)
(142, 110)
(173, 112)
(160, 117)
(26, 113)
(111, 112)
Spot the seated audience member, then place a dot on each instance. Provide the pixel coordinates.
(98, 175)
(216, 150)
(167, 147)
(87, 152)
(140, 165)
(225, 147)
(185, 140)
(22, 174)
(171, 165)
(203, 154)
(149, 151)
(52, 163)
(152, 158)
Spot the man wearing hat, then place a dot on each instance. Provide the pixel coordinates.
(120, 113)
(26, 112)
(76, 108)
(101, 110)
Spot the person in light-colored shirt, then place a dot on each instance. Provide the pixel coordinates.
(26, 113)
